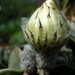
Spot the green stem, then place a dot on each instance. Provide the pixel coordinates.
(11, 72)
(41, 72)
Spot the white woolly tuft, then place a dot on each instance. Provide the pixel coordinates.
(28, 59)
(24, 22)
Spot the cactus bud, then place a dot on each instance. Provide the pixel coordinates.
(47, 31)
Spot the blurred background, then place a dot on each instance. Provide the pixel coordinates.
(11, 12)
(11, 35)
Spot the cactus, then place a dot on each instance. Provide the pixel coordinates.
(47, 31)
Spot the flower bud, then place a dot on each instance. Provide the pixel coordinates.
(47, 31)
(47, 27)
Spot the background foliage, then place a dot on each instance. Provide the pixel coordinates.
(11, 34)
(11, 13)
